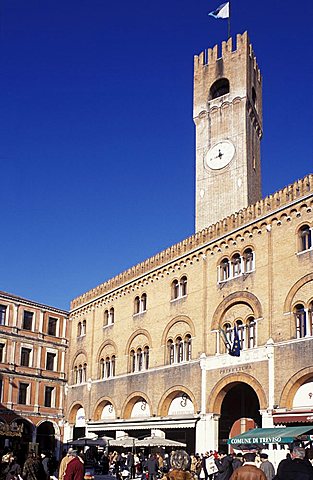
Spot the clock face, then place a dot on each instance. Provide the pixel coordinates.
(220, 155)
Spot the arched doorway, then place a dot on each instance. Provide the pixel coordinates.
(46, 437)
(22, 445)
(240, 405)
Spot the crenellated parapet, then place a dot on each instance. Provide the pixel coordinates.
(282, 198)
(225, 51)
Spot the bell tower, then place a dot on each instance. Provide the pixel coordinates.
(227, 112)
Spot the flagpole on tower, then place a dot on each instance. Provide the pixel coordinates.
(229, 31)
(223, 11)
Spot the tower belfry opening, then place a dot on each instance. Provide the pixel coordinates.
(228, 120)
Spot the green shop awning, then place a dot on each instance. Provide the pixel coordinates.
(259, 436)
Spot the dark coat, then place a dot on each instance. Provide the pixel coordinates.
(295, 469)
(33, 469)
(236, 463)
(225, 468)
(152, 465)
(268, 468)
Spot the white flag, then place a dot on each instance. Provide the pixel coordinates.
(221, 12)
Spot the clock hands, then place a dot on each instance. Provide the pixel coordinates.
(219, 155)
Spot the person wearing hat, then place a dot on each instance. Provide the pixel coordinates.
(267, 467)
(295, 468)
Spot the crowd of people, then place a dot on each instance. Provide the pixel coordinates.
(176, 466)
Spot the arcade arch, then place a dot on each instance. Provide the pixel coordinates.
(221, 389)
(177, 401)
(136, 406)
(296, 388)
(105, 410)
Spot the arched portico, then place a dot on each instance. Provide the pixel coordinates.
(218, 393)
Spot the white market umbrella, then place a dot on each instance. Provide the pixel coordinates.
(155, 441)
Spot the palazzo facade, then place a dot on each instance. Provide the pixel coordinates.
(149, 350)
(33, 346)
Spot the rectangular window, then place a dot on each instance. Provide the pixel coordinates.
(28, 320)
(50, 361)
(25, 356)
(3, 311)
(49, 396)
(22, 393)
(2, 345)
(52, 326)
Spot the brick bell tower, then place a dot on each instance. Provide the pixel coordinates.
(227, 112)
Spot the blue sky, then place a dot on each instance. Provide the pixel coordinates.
(97, 136)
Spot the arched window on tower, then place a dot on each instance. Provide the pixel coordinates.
(183, 286)
(102, 369)
(179, 288)
(179, 349)
(251, 332)
(143, 302)
(137, 305)
(248, 260)
(219, 88)
(227, 336)
(187, 348)
(75, 375)
(140, 304)
(241, 333)
(175, 289)
(300, 317)
(84, 373)
(224, 273)
(139, 360)
(305, 238)
(170, 352)
(146, 358)
(84, 324)
(132, 361)
(79, 329)
(80, 374)
(107, 367)
(113, 366)
(236, 265)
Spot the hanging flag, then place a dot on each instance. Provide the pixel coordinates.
(221, 12)
(235, 348)
(225, 339)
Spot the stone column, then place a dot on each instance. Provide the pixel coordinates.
(207, 433)
(271, 373)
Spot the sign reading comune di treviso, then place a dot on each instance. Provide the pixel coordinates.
(270, 435)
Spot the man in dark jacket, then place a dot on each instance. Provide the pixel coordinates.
(295, 468)
(237, 461)
(224, 466)
(152, 467)
(267, 467)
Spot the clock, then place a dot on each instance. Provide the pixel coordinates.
(220, 155)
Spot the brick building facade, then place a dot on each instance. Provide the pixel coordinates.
(33, 345)
(149, 349)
